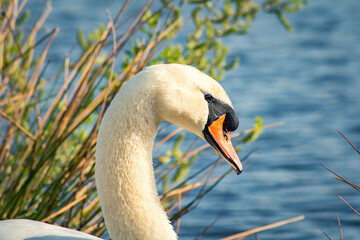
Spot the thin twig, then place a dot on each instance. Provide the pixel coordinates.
(21, 128)
(64, 209)
(348, 205)
(178, 221)
(358, 151)
(341, 237)
(263, 228)
(249, 130)
(167, 137)
(341, 178)
(207, 228)
(327, 236)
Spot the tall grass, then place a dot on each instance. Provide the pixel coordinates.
(48, 134)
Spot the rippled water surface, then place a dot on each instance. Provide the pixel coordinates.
(308, 78)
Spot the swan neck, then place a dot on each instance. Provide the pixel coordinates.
(124, 172)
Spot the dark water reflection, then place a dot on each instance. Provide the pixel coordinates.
(310, 80)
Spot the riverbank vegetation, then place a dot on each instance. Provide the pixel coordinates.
(49, 125)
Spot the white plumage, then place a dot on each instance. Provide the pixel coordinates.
(14, 229)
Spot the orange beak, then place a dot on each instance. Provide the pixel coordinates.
(220, 140)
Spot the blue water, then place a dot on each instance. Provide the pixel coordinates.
(308, 78)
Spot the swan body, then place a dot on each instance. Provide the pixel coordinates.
(14, 229)
(124, 172)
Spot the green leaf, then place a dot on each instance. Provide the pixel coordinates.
(198, 1)
(23, 18)
(256, 132)
(228, 9)
(182, 171)
(284, 21)
(81, 39)
(220, 18)
(95, 36)
(146, 15)
(195, 16)
(176, 149)
(200, 46)
(166, 183)
(210, 31)
(198, 32)
(165, 158)
(232, 64)
(154, 20)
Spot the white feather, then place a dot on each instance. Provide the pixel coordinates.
(15, 229)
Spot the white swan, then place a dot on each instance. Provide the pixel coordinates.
(124, 172)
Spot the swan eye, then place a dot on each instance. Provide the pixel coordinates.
(208, 97)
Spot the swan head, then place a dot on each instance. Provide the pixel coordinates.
(194, 101)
